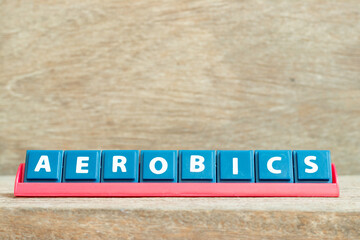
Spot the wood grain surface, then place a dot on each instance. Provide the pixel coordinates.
(181, 218)
(188, 74)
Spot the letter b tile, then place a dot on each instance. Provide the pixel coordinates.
(274, 166)
(197, 166)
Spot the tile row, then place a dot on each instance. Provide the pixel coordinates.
(178, 166)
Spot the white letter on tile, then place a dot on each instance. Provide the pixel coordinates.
(120, 164)
(235, 166)
(163, 168)
(270, 167)
(311, 164)
(80, 164)
(43, 163)
(196, 160)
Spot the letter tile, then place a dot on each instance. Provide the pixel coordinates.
(82, 166)
(235, 166)
(274, 166)
(197, 166)
(120, 166)
(158, 166)
(43, 166)
(312, 166)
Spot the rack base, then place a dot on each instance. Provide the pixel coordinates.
(30, 189)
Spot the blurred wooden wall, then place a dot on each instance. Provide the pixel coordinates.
(175, 74)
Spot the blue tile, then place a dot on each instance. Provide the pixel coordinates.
(158, 166)
(120, 166)
(82, 166)
(43, 166)
(235, 166)
(274, 166)
(197, 166)
(312, 166)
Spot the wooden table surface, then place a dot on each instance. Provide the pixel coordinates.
(181, 218)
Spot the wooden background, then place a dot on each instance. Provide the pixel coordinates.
(176, 74)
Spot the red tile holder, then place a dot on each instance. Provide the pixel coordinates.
(30, 189)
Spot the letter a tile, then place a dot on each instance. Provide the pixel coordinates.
(43, 166)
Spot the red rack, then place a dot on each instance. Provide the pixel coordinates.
(30, 189)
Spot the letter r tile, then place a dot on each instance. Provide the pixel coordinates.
(120, 166)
